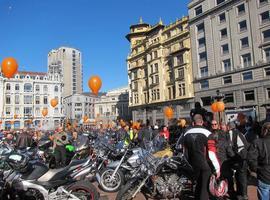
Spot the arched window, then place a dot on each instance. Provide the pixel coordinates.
(56, 88)
(27, 87)
(8, 86)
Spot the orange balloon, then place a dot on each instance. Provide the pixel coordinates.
(95, 84)
(168, 112)
(12, 122)
(15, 116)
(220, 106)
(54, 102)
(45, 112)
(85, 118)
(214, 107)
(1, 122)
(9, 67)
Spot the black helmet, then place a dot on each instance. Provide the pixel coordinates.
(18, 162)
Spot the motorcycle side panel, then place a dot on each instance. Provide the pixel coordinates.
(38, 170)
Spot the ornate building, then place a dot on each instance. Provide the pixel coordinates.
(159, 70)
(23, 98)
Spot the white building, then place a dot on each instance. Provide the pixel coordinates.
(67, 63)
(25, 96)
(79, 105)
(113, 105)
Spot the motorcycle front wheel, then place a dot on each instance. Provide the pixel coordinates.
(127, 191)
(84, 190)
(109, 183)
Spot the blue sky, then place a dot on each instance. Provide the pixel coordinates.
(31, 28)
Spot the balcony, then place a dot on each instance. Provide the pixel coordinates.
(170, 82)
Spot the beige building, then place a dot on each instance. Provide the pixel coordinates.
(67, 63)
(159, 70)
(230, 42)
(112, 106)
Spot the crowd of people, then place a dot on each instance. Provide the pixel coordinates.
(230, 152)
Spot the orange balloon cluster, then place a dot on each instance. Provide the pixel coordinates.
(85, 118)
(168, 111)
(45, 112)
(95, 84)
(54, 103)
(9, 67)
(218, 106)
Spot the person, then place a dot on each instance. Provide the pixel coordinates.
(60, 139)
(165, 133)
(196, 149)
(145, 136)
(239, 161)
(259, 161)
(24, 140)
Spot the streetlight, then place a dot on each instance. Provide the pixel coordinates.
(218, 104)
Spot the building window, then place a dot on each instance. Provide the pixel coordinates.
(247, 76)
(267, 54)
(267, 71)
(246, 60)
(227, 65)
(17, 99)
(156, 67)
(249, 95)
(220, 1)
(8, 87)
(17, 111)
(181, 73)
(222, 18)
(8, 99)
(198, 10)
(17, 87)
(223, 33)
(242, 25)
(229, 98)
(265, 17)
(27, 99)
(200, 27)
(157, 80)
(201, 42)
(37, 111)
(179, 60)
(182, 89)
(56, 89)
(45, 100)
(45, 88)
(158, 94)
(266, 35)
(202, 56)
(206, 101)
(8, 110)
(37, 88)
(204, 84)
(244, 43)
(268, 93)
(37, 100)
(155, 54)
(225, 49)
(241, 9)
(227, 79)
(262, 2)
(204, 71)
(27, 111)
(27, 87)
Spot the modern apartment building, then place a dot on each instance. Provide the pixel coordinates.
(23, 98)
(67, 63)
(230, 42)
(159, 70)
(79, 105)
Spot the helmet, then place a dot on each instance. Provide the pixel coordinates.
(218, 188)
(18, 162)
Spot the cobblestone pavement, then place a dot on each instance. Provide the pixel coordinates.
(252, 194)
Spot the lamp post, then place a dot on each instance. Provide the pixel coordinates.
(218, 105)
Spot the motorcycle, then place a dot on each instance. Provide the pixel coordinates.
(28, 179)
(160, 178)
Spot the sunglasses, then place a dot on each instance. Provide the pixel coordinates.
(213, 124)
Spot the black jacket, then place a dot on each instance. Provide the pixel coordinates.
(24, 140)
(259, 158)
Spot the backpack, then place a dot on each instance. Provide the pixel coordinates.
(239, 144)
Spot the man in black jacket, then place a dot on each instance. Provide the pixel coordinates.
(24, 140)
(197, 149)
(259, 160)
